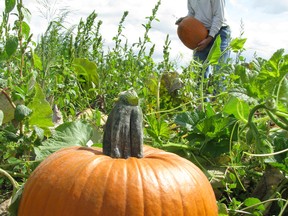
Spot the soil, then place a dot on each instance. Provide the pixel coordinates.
(4, 207)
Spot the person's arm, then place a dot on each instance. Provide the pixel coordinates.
(217, 22)
(191, 11)
(218, 18)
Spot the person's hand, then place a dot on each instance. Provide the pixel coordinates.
(204, 43)
(179, 20)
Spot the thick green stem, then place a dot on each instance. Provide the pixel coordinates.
(123, 135)
(202, 85)
(12, 180)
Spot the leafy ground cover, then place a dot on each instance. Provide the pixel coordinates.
(57, 92)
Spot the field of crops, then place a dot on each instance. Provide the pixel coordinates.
(58, 91)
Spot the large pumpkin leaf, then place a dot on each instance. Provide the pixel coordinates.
(215, 126)
(158, 128)
(68, 134)
(189, 120)
(283, 96)
(240, 109)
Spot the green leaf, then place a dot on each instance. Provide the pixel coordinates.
(263, 145)
(15, 201)
(21, 112)
(42, 112)
(254, 202)
(87, 70)
(251, 201)
(1, 117)
(158, 128)
(215, 52)
(7, 108)
(237, 44)
(68, 134)
(9, 5)
(39, 132)
(215, 125)
(189, 120)
(37, 62)
(209, 110)
(272, 68)
(222, 210)
(280, 143)
(26, 30)
(280, 166)
(283, 96)
(11, 45)
(240, 109)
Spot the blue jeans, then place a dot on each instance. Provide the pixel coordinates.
(225, 34)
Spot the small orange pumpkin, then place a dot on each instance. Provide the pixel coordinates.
(191, 32)
(78, 181)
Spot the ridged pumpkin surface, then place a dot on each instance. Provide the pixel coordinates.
(84, 182)
(191, 32)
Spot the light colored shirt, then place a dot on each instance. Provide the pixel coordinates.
(210, 12)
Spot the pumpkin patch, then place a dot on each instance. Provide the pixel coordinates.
(147, 181)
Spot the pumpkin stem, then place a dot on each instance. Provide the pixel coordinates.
(123, 135)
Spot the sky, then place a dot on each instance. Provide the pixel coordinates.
(263, 21)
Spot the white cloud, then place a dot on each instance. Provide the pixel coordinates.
(264, 21)
(268, 6)
(265, 32)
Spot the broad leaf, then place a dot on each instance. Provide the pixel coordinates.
(86, 71)
(9, 5)
(11, 45)
(237, 44)
(283, 96)
(254, 202)
(240, 109)
(7, 108)
(215, 52)
(189, 120)
(15, 201)
(158, 128)
(21, 112)
(26, 30)
(215, 126)
(68, 134)
(37, 62)
(42, 112)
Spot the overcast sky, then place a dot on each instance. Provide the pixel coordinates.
(265, 21)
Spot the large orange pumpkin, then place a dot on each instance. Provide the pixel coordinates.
(191, 32)
(82, 181)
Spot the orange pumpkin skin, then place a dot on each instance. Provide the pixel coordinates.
(191, 32)
(80, 181)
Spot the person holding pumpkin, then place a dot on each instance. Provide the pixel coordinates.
(211, 13)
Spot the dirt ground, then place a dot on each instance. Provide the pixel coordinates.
(4, 208)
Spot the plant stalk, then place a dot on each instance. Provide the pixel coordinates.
(123, 135)
(12, 180)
